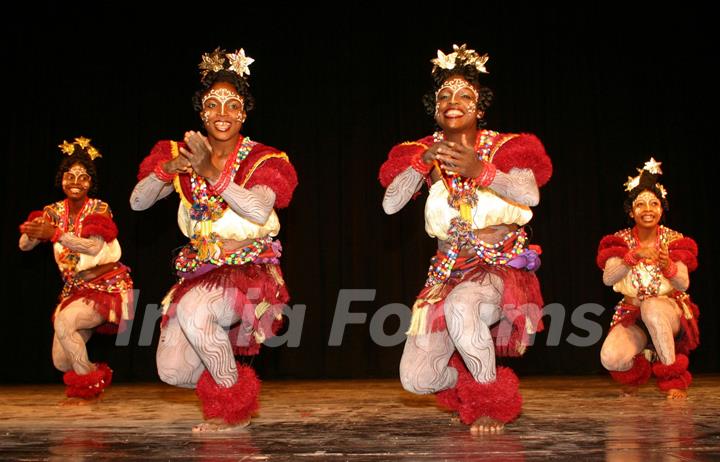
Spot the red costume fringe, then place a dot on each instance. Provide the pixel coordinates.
(525, 151)
(161, 152)
(35, 214)
(103, 303)
(234, 404)
(276, 173)
(90, 385)
(400, 157)
(521, 300)
(499, 400)
(252, 279)
(673, 375)
(610, 246)
(684, 250)
(637, 375)
(99, 225)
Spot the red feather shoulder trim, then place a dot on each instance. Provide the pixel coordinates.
(400, 157)
(610, 246)
(99, 225)
(525, 151)
(276, 173)
(685, 250)
(161, 152)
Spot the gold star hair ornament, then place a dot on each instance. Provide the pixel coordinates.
(652, 166)
(219, 60)
(460, 56)
(212, 62)
(84, 143)
(239, 63)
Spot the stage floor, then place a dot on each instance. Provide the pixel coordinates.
(579, 418)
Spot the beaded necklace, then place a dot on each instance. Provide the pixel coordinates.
(461, 234)
(67, 259)
(461, 191)
(646, 276)
(208, 206)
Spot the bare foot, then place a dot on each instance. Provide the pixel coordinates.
(628, 391)
(486, 425)
(217, 425)
(675, 393)
(77, 402)
(454, 418)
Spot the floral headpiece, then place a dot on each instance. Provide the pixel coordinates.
(651, 166)
(460, 56)
(84, 143)
(219, 60)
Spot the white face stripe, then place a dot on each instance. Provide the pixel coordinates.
(224, 96)
(455, 85)
(645, 197)
(77, 170)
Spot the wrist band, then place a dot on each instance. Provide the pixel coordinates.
(671, 270)
(161, 174)
(419, 165)
(487, 176)
(56, 235)
(630, 259)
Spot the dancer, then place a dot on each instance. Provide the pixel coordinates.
(482, 297)
(648, 264)
(231, 293)
(97, 295)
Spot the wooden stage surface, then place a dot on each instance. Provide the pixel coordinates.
(578, 418)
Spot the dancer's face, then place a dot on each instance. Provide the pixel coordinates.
(223, 111)
(456, 104)
(76, 182)
(646, 210)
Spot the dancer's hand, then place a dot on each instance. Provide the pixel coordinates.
(38, 229)
(177, 165)
(459, 158)
(199, 155)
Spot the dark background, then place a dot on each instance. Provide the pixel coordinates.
(603, 87)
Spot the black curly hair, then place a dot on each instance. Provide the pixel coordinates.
(240, 84)
(648, 182)
(468, 72)
(79, 156)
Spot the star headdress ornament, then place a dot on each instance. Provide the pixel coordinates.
(239, 63)
(219, 60)
(460, 56)
(84, 143)
(212, 62)
(652, 166)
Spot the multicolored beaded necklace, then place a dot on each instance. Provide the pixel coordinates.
(68, 259)
(646, 276)
(208, 206)
(461, 234)
(462, 190)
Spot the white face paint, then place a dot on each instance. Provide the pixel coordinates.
(228, 102)
(76, 174)
(457, 90)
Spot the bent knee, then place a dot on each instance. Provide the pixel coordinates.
(613, 360)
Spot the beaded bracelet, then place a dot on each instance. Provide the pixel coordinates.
(630, 259)
(419, 165)
(56, 235)
(487, 176)
(161, 174)
(671, 270)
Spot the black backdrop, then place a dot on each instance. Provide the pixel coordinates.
(603, 87)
